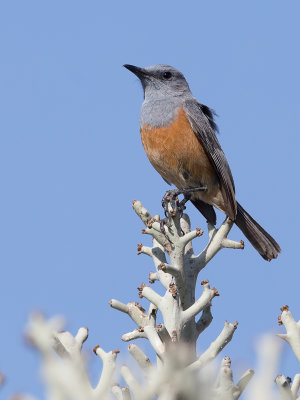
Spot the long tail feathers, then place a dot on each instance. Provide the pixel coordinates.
(267, 247)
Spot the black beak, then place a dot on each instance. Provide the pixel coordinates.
(139, 72)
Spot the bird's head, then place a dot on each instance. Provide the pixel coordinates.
(160, 80)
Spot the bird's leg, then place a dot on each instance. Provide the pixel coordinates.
(172, 197)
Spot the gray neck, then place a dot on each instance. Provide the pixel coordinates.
(160, 112)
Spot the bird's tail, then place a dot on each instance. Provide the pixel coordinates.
(267, 247)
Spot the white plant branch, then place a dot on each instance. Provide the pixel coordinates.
(218, 241)
(163, 333)
(146, 217)
(287, 390)
(66, 345)
(109, 366)
(292, 327)
(155, 340)
(135, 312)
(268, 352)
(66, 376)
(215, 347)
(152, 296)
(121, 393)
(131, 382)
(170, 269)
(295, 385)
(205, 299)
(174, 340)
(188, 237)
(136, 334)
(243, 382)
(117, 392)
(126, 393)
(225, 387)
(140, 357)
(284, 388)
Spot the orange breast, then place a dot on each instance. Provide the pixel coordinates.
(178, 156)
(176, 153)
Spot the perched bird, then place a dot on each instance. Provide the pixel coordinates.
(179, 137)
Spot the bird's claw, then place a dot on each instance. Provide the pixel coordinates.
(171, 203)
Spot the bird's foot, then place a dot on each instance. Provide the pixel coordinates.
(172, 206)
(171, 198)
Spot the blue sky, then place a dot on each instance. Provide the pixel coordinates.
(71, 161)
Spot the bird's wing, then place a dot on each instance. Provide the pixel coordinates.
(204, 127)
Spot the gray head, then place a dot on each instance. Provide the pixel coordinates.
(160, 81)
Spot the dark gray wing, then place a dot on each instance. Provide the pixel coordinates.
(201, 120)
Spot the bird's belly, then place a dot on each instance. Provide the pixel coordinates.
(178, 156)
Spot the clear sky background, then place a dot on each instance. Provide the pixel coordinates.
(71, 162)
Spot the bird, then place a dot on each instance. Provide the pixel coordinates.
(179, 137)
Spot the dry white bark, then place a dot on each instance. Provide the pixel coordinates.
(178, 307)
(179, 277)
(184, 318)
(179, 372)
(225, 389)
(292, 327)
(66, 376)
(289, 389)
(215, 347)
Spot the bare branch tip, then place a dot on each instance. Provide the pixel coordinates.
(204, 282)
(215, 290)
(163, 267)
(141, 287)
(116, 351)
(95, 348)
(242, 244)
(199, 232)
(139, 248)
(279, 320)
(284, 308)
(150, 280)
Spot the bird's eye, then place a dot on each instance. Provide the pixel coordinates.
(167, 75)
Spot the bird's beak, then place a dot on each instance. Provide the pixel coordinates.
(139, 72)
